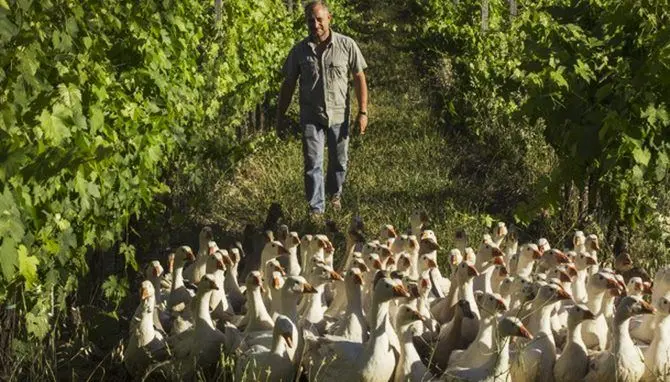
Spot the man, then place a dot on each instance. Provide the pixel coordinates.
(323, 62)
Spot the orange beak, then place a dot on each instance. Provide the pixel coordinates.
(144, 294)
(399, 290)
(308, 288)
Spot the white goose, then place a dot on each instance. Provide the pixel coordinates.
(417, 222)
(450, 338)
(257, 318)
(645, 330)
(290, 260)
(496, 368)
(657, 355)
(595, 331)
(528, 254)
(573, 363)
(206, 246)
(180, 297)
(409, 366)
(479, 350)
(231, 286)
(536, 360)
(583, 261)
(592, 247)
(313, 309)
(216, 265)
(146, 345)
(333, 359)
(625, 361)
(259, 363)
(352, 325)
(202, 345)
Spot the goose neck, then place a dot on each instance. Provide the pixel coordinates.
(289, 305)
(575, 334)
(178, 281)
(622, 337)
(202, 303)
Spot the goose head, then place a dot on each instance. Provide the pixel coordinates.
(530, 252)
(602, 281)
(322, 241)
(428, 242)
(623, 262)
(592, 243)
(387, 232)
(292, 240)
(284, 329)
(323, 273)
(359, 263)
(559, 274)
(235, 256)
(490, 302)
(182, 255)
(356, 230)
(663, 306)
(465, 308)
(466, 271)
(147, 293)
(274, 248)
(282, 232)
(487, 251)
(553, 257)
(543, 244)
(578, 313)
(205, 236)
(153, 270)
(584, 260)
(354, 277)
(273, 265)
(372, 261)
(219, 260)
(427, 262)
(418, 218)
(630, 306)
(551, 292)
(578, 239)
(455, 257)
(499, 231)
(500, 273)
(460, 238)
(254, 281)
(470, 255)
(206, 284)
(404, 262)
(424, 284)
(297, 285)
(387, 289)
(513, 327)
(407, 315)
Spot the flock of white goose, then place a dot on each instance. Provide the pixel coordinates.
(514, 312)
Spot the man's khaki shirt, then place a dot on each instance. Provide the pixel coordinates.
(324, 81)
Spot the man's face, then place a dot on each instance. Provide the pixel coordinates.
(318, 22)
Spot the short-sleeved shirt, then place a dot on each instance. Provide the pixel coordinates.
(324, 99)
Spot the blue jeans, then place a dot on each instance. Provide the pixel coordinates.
(314, 139)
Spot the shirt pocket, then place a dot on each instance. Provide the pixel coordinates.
(338, 79)
(309, 73)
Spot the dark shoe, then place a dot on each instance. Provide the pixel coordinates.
(336, 203)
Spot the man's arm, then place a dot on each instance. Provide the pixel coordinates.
(284, 100)
(361, 88)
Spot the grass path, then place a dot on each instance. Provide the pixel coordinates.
(401, 164)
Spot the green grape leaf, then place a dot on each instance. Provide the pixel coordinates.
(27, 266)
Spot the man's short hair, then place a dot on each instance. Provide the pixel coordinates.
(311, 4)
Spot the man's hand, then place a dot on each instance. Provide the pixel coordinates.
(362, 121)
